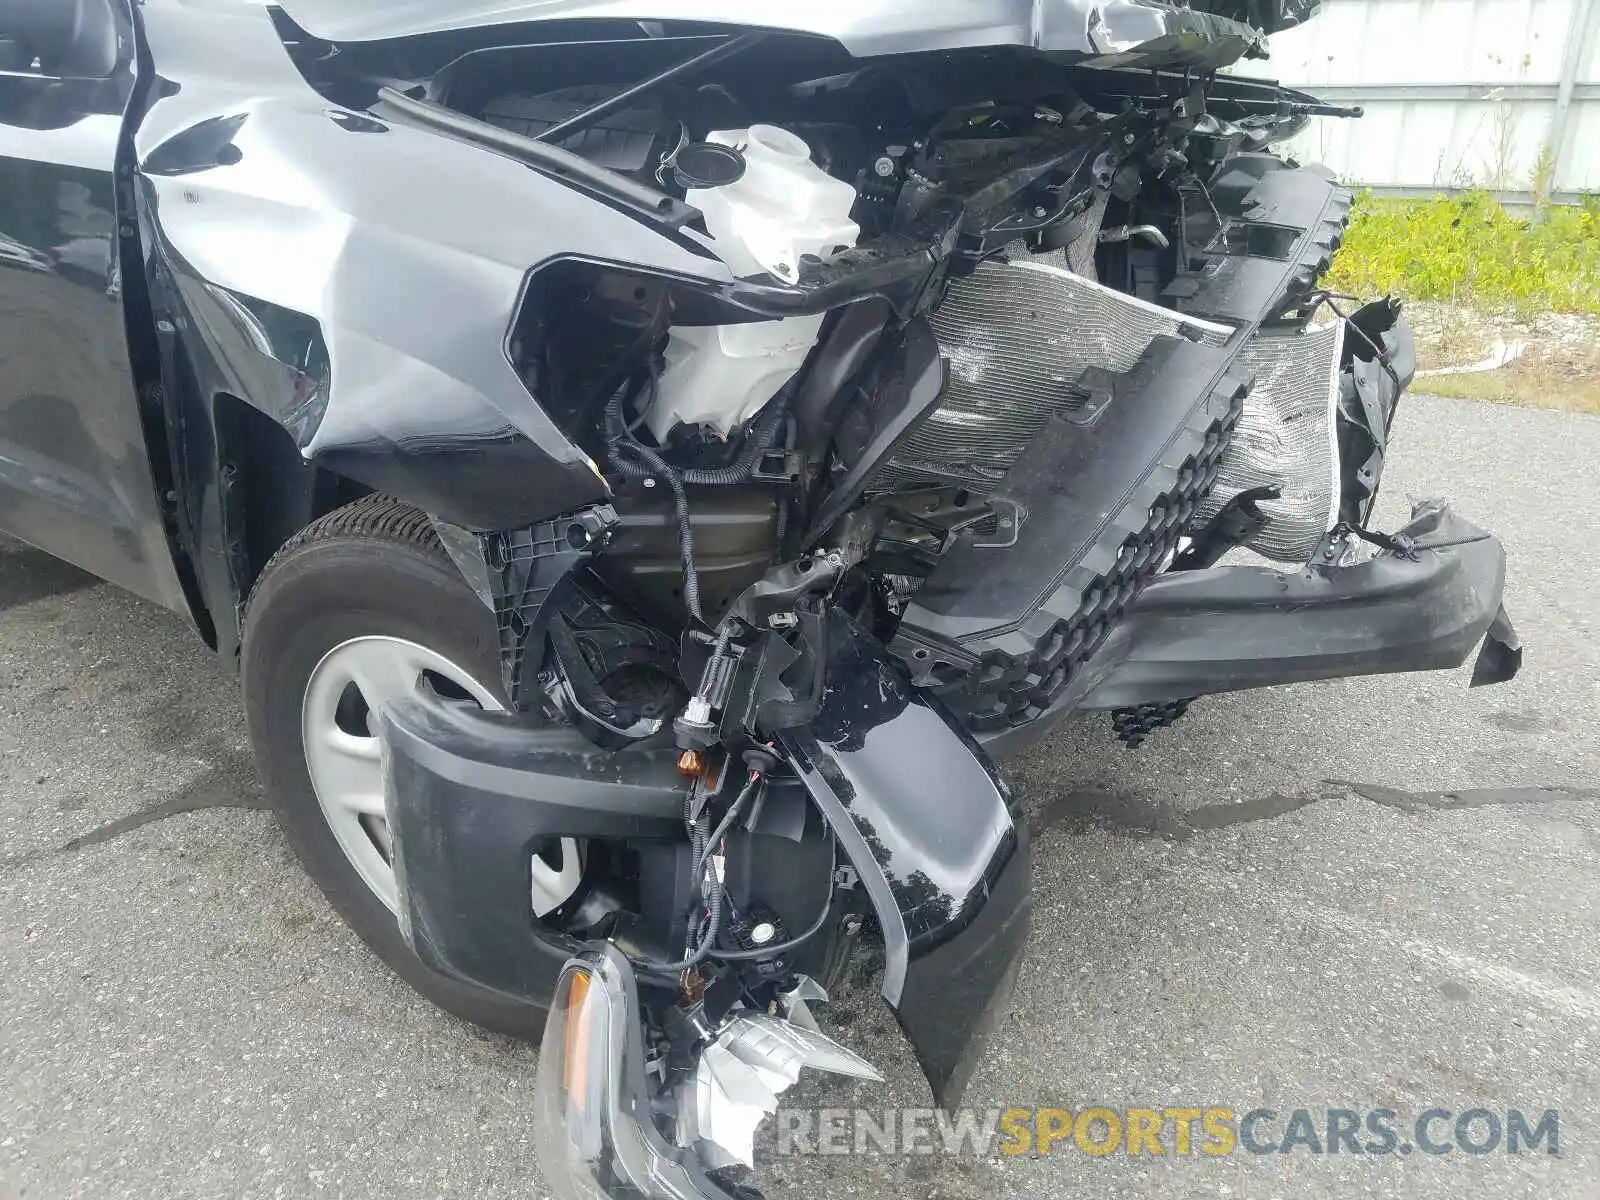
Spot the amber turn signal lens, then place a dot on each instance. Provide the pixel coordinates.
(576, 1010)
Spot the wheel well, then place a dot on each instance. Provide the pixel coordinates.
(268, 492)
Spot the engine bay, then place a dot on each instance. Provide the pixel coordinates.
(930, 259)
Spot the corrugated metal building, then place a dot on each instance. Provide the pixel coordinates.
(1503, 94)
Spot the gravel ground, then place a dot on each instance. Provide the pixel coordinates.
(1365, 893)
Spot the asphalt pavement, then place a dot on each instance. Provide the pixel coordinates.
(1365, 894)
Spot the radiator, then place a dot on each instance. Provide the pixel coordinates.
(1018, 337)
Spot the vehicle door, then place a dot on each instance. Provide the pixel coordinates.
(75, 471)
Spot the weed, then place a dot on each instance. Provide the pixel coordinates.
(1537, 379)
(1469, 250)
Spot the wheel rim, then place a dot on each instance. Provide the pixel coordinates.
(339, 733)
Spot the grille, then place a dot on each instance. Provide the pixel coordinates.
(1017, 338)
(1133, 725)
(1286, 437)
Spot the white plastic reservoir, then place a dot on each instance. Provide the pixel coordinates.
(783, 208)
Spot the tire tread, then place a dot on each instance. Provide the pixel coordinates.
(390, 567)
(377, 516)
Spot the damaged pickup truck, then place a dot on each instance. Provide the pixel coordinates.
(649, 459)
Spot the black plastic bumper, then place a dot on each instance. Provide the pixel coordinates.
(1193, 633)
(934, 836)
(927, 826)
(470, 798)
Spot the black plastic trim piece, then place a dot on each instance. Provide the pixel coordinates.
(1380, 360)
(1005, 633)
(1500, 656)
(1194, 633)
(904, 398)
(524, 568)
(931, 830)
(1259, 189)
(1008, 637)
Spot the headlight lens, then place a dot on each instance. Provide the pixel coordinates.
(591, 1115)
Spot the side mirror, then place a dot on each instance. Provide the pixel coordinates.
(75, 38)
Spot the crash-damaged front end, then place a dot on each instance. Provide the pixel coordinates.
(818, 410)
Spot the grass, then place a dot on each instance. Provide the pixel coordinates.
(1450, 342)
(1492, 268)
(1539, 379)
(1469, 250)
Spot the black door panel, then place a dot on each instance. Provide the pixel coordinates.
(75, 475)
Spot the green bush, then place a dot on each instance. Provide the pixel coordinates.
(1469, 250)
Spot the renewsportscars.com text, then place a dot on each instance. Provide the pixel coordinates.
(1176, 1131)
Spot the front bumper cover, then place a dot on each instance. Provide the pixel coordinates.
(1230, 628)
(1193, 633)
(935, 837)
(470, 797)
(927, 827)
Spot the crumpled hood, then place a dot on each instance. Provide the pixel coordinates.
(1103, 29)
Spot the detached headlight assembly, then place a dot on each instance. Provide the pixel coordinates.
(592, 1120)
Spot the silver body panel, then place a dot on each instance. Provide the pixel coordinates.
(1090, 28)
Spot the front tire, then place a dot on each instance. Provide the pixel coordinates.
(359, 603)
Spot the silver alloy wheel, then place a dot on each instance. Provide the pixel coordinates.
(351, 682)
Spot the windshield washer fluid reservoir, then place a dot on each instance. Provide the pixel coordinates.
(782, 209)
